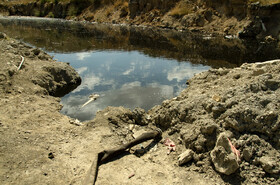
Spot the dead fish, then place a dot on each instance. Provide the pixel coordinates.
(92, 97)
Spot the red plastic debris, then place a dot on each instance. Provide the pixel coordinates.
(234, 150)
(171, 145)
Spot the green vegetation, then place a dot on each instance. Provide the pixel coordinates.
(50, 15)
(36, 12)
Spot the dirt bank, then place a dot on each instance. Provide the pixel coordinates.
(250, 18)
(41, 146)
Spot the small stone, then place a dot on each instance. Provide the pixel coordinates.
(50, 155)
(247, 154)
(200, 163)
(237, 76)
(185, 157)
(131, 127)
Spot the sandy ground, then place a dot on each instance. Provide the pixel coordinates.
(39, 145)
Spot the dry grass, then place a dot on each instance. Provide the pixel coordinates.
(182, 8)
(28, 1)
(115, 5)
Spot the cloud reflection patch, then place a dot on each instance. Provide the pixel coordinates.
(123, 78)
(83, 55)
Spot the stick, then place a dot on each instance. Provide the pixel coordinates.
(22, 60)
(106, 155)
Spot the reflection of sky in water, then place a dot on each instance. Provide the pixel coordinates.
(121, 78)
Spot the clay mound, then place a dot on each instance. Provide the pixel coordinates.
(244, 102)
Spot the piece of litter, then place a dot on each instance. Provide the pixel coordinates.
(234, 150)
(217, 98)
(22, 60)
(75, 122)
(171, 145)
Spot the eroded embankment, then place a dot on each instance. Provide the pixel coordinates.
(230, 17)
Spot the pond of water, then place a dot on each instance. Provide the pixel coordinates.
(127, 66)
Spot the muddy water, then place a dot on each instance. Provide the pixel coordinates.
(128, 66)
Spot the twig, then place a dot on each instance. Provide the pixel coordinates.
(22, 60)
(107, 155)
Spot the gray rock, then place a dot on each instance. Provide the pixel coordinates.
(222, 157)
(224, 163)
(247, 154)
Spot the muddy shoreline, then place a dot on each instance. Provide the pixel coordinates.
(181, 45)
(41, 146)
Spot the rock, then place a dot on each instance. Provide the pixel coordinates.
(270, 164)
(185, 157)
(50, 155)
(3, 35)
(222, 157)
(224, 163)
(247, 154)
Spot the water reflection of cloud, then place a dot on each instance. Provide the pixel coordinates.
(83, 55)
(130, 80)
(81, 70)
(179, 73)
(131, 84)
(129, 71)
(130, 95)
(88, 82)
(166, 91)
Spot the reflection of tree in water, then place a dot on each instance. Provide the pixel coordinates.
(68, 36)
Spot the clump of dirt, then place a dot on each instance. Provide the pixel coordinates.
(225, 126)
